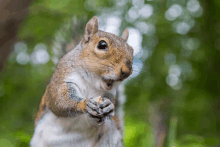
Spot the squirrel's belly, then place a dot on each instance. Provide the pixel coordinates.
(65, 132)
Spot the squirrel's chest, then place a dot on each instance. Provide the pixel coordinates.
(86, 89)
(54, 131)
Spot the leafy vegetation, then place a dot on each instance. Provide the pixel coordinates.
(175, 86)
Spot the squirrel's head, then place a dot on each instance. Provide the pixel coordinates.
(106, 55)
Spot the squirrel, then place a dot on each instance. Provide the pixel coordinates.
(80, 106)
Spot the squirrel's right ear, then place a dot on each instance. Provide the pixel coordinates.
(91, 29)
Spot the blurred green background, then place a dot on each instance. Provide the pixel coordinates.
(173, 94)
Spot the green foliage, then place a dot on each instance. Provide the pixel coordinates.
(178, 83)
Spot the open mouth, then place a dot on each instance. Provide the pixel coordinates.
(108, 84)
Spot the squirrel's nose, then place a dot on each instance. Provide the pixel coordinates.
(125, 72)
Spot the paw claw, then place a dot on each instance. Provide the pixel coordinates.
(101, 110)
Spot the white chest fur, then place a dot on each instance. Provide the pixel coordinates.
(87, 89)
(80, 131)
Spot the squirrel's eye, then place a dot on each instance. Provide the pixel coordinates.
(102, 45)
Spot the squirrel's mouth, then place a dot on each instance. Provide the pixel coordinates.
(107, 84)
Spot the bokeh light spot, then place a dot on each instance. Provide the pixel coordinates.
(20, 47)
(193, 5)
(137, 66)
(138, 3)
(40, 54)
(173, 12)
(121, 2)
(112, 25)
(143, 27)
(172, 79)
(22, 58)
(175, 69)
(133, 13)
(182, 28)
(146, 11)
(134, 40)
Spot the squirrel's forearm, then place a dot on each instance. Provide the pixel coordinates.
(65, 100)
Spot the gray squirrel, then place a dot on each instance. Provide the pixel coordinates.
(80, 106)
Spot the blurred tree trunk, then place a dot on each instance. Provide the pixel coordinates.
(12, 13)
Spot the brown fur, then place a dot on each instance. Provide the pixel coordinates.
(41, 110)
(117, 123)
(117, 58)
(81, 106)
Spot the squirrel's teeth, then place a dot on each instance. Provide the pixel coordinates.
(108, 82)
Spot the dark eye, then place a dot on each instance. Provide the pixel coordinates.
(102, 45)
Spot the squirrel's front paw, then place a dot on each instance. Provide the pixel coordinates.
(93, 109)
(100, 109)
(107, 108)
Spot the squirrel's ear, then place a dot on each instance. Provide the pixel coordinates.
(91, 28)
(125, 35)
